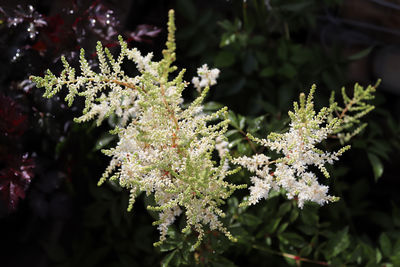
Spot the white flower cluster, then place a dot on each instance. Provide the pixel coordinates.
(206, 77)
(163, 149)
(298, 146)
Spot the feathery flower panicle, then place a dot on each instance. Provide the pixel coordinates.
(163, 149)
(298, 148)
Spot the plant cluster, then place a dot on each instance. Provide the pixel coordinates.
(166, 150)
(266, 53)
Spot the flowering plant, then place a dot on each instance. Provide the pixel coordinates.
(167, 151)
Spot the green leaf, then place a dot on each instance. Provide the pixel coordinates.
(283, 227)
(250, 220)
(227, 39)
(395, 257)
(284, 208)
(167, 246)
(378, 255)
(255, 124)
(244, 149)
(242, 121)
(231, 132)
(385, 244)
(224, 59)
(377, 165)
(309, 216)
(272, 225)
(305, 251)
(167, 259)
(233, 119)
(337, 243)
(235, 143)
(227, 25)
(361, 54)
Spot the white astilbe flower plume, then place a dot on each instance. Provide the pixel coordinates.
(163, 150)
(298, 147)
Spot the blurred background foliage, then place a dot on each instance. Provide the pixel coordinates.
(52, 212)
